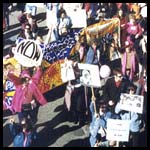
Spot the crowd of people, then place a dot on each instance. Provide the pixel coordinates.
(126, 60)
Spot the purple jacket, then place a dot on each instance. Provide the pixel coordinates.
(26, 94)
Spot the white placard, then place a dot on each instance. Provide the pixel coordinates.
(28, 53)
(78, 18)
(90, 75)
(132, 103)
(67, 72)
(118, 130)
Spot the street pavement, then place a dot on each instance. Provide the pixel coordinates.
(54, 130)
(52, 126)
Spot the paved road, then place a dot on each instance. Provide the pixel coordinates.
(53, 128)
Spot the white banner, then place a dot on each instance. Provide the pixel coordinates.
(132, 103)
(78, 18)
(90, 75)
(118, 130)
(28, 53)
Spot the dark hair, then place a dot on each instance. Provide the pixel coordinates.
(131, 87)
(24, 80)
(27, 125)
(94, 41)
(98, 137)
(117, 70)
(101, 103)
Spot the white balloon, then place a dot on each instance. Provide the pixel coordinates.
(105, 71)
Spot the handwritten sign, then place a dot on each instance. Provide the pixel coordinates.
(67, 72)
(118, 130)
(132, 103)
(28, 53)
(90, 75)
(76, 16)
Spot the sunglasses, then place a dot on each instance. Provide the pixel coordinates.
(130, 90)
(120, 76)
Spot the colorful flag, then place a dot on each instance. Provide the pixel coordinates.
(59, 49)
(56, 51)
(99, 30)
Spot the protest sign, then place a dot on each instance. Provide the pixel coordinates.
(132, 103)
(8, 93)
(76, 16)
(67, 72)
(28, 53)
(90, 75)
(118, 130)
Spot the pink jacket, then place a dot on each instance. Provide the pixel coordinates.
(124, 62)
(26, 94)
(133, 30)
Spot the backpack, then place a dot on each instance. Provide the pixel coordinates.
(19, 140)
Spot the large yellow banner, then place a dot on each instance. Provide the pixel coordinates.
(98, 30)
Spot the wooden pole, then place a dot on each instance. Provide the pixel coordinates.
(85, 92)
(117, 144)
(94, 99)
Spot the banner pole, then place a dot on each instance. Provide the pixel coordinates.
(94, 99)
(85, 92)
(117, 144)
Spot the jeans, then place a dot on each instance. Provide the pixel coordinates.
(33, 114)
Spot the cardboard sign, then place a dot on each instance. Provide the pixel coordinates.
(67, 72)
(76, 16)
(90, 75)
(118, 130)
(28, 53)
(132, 103)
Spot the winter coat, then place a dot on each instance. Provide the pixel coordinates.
(24, 95)
(97, 122)
(135, 118)
(20, 138)
(111, 92)
(92, 58)
(133, 62)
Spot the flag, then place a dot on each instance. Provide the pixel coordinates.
(99, 30)
(55, 52)
(60, 49)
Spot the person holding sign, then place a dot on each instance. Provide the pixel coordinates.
(27, 94)
(135, 120)
(99, 122)
(114, 87)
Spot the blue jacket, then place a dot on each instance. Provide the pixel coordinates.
(21, 139)
(135, 118)
(91, 58)
(96, 123)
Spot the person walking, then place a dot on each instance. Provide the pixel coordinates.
(27, 94)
